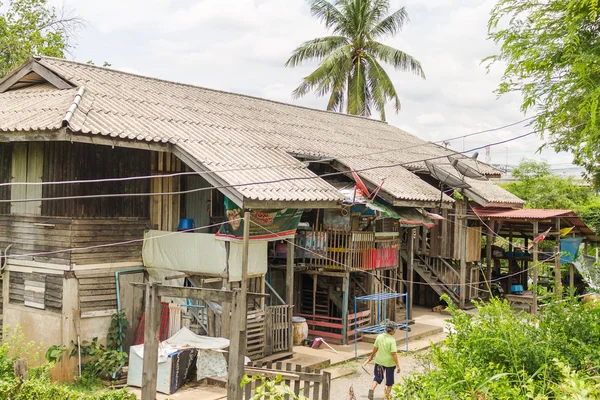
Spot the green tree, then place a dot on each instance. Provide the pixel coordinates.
(350, 71)
(32, 27)
(550, 52)
(540, 188)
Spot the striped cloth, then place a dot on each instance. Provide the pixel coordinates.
(164, 325)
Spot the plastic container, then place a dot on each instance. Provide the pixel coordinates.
(185, 224)
(516, 289)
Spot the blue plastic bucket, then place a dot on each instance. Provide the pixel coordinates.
(185, 224)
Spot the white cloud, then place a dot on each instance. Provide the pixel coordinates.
(242, 45)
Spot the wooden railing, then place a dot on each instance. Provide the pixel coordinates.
(333, 327)
(277, 329)
(311, 384)
(352, 250)
(255, 345)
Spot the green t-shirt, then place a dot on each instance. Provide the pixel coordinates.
(386, 346)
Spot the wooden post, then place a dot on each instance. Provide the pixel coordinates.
(151, 339)
(557, 274)
(488, 255)
(20, 369)
(239, 319)
(289, 290)
(346, 284)
(572, 279)
(535, 268)
(585, 247)
(410, 269)
(463, 255)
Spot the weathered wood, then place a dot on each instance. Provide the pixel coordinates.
(20, 369)
(215, 295)
(410, 269)
(463, 253)
(534, 304)
(151, 340)
(345, 300)
(289, 289)
(237, 347)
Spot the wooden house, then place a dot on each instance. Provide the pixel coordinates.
(72, 229)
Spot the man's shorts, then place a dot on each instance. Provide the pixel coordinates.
(380, 372)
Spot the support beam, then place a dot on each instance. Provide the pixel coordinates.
(289, 289)
(463, 254)
(410, 269)
(151, 340)
(535, 268)
(345, 299)
(239, 319)
(557, 274)
(214, 295)
(488, 254)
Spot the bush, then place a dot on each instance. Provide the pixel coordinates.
(505, 354)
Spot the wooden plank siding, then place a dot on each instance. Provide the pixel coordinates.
(97, 292)
(64, 161)
(35, 234)
(36, 290)
(5, 175)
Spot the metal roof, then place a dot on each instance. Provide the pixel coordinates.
(221, 130)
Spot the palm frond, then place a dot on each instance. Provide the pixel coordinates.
(390, 25)
(381, 86)
(332, 70)
(315, 49)
(327, 12)
(397, 58)
(378, 11)
(358, 93)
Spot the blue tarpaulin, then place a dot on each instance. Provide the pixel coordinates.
(570, 248)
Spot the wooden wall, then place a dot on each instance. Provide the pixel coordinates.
(41, 291)
(165, 211)
(5, 175)
(36, 234)
(65, 161)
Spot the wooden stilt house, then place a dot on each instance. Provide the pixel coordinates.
(93, 159)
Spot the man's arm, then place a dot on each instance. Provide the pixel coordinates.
(395, 355)
(372, 355)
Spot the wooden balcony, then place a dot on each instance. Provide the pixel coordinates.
(348, 250)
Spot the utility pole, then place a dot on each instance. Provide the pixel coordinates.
(239, 319)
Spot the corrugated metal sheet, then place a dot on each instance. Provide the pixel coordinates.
(225, 130)
(525, 213)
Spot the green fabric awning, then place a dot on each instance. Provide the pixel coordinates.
(407, 217)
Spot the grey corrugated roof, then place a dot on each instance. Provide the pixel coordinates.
(224, 130)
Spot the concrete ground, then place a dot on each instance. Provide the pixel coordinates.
(346, 371)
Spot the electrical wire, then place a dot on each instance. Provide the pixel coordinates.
(45, 253)
(296, 164)
(330, 174)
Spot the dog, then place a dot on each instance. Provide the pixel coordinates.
(439, 308)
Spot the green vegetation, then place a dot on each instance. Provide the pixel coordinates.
(39, 385)
(550, 52)
(505, 354)
(270, 388)
(350, 71)
(540, 188)
(32, 27)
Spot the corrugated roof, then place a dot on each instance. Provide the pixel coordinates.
(224, 130)
(525, 213)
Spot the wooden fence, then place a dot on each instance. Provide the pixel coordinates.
(332, 328)
(277, 329)
(312, 384)
(255, 345)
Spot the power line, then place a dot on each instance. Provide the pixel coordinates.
(330, 174)
(296, 164)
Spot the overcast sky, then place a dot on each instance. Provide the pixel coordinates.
(242, 45)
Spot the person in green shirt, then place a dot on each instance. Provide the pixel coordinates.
(385, 353)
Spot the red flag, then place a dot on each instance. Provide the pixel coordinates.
(540, 237)
(360, 184)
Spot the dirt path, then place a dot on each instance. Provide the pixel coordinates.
(361, 380)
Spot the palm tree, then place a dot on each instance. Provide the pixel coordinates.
(350, 69)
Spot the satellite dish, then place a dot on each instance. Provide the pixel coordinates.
(446, 177)
(465, 169)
